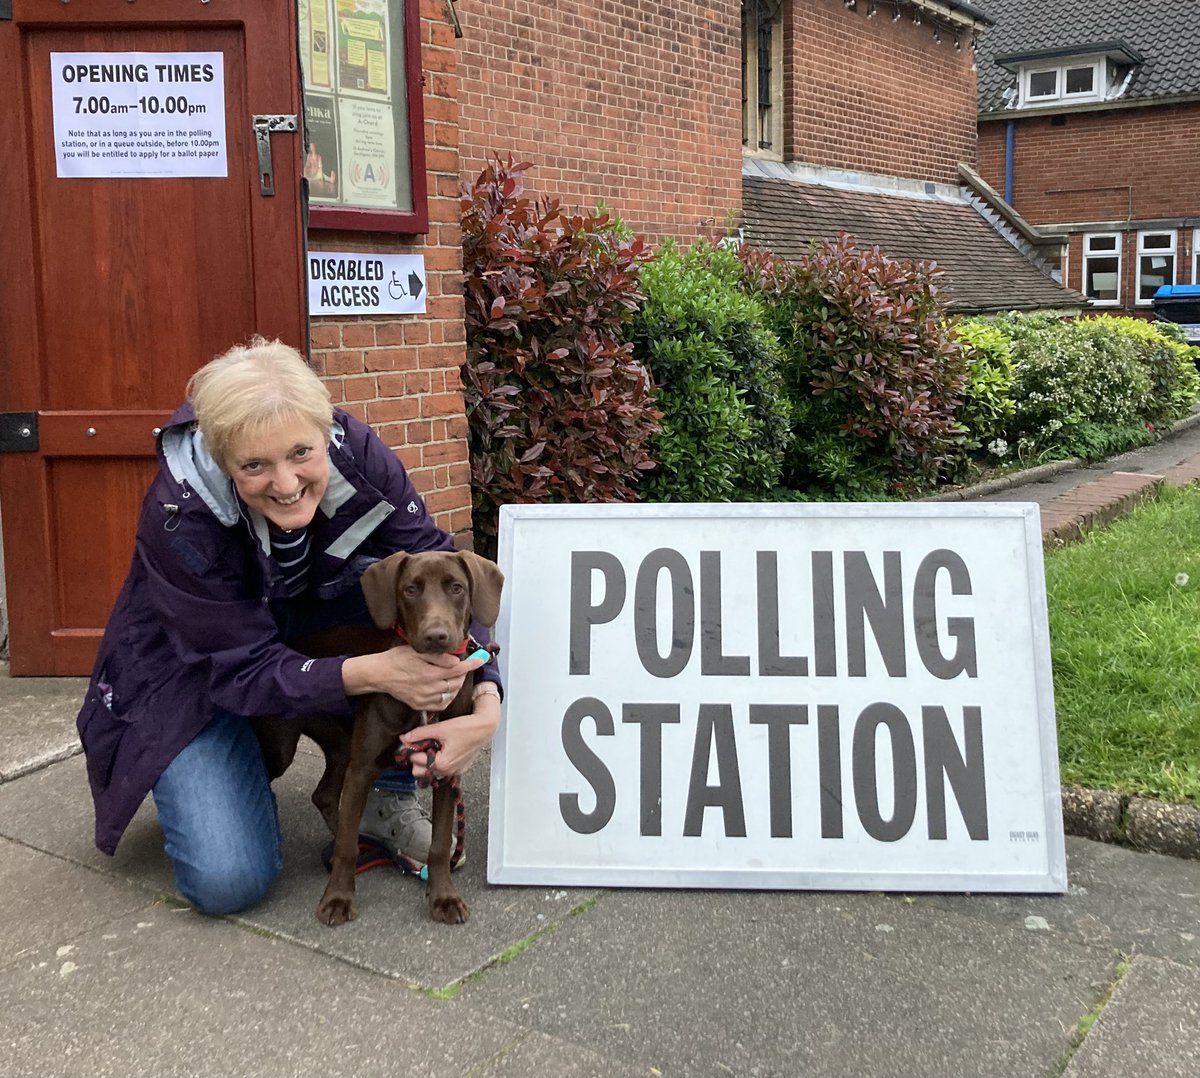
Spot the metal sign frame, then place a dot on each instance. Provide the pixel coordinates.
(811, 765)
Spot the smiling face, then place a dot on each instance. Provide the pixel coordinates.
(281, 469)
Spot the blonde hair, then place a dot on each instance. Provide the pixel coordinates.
(253, 386)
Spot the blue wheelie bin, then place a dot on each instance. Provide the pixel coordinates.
(1179, 303)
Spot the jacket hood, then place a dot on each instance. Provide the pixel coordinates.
(189, 461)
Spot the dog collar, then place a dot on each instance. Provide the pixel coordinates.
(468, 645)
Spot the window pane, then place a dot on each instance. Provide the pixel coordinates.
(1043, 83)
(1154, 270)
(355, 94)
(1080, 80)
(1102, 276)
(1157, 241)
(1102, 243)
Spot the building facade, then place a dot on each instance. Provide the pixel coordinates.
(1089, 124)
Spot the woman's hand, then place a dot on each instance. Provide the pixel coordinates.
(462, 739)
(426, 682)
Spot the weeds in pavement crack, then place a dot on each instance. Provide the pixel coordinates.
(1087, 1021)
(451, 990)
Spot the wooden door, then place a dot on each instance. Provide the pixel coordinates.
(116, 288)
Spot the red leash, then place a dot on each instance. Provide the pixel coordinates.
(431, 747)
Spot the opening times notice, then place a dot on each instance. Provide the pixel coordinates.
(147, 114)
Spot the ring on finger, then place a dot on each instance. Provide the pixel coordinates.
(430, 756)
(445, 697)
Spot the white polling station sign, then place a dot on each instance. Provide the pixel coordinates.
(344, 282)
(138, 114)
(845, 696)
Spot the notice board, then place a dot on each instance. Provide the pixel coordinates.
(841, 696)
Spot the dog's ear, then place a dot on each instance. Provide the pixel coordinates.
(486, 584)
(379, 587)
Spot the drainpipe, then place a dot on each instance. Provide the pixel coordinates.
(1010, 148)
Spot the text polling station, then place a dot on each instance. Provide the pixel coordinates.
(851, 697)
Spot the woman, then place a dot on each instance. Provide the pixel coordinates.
(267, 507)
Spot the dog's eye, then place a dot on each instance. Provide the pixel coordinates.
(455, 588)
(411, 590)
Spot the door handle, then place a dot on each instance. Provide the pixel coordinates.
(264, 126)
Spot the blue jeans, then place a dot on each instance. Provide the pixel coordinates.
(214, 800)
(218, 814)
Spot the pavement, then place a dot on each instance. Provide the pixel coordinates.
(104, 971)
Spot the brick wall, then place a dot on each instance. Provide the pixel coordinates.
(1104, 166)
(401, 375)
(635, 103)
(1149, 155)
(877, 94)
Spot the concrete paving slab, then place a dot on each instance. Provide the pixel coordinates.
(393, 934)
(1150, 1027)
(715, 983)
(51, 811)
(167, 992)
(537, 1054)
(37, 721)
(50, 901)
(1125, 899)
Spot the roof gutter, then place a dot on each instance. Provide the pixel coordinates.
(1040, 111)
(956, 11)
(1115, 48)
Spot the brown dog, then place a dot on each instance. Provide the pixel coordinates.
(431, 598)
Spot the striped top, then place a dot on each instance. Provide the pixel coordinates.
(292, 552)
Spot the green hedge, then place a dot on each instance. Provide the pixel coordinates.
(1088, 387)
(726, 420)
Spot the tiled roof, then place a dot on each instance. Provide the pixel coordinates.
(983, 270)
(1165, 33)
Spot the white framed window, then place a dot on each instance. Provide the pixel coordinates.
(1196, 256)
(1064, 83)
(1156, 263)
(1102, 268)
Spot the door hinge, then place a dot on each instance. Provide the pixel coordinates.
(263, 127)
(18, 431)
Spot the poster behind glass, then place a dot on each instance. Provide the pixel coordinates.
(355, 86)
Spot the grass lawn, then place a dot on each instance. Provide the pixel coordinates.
(1125, 642)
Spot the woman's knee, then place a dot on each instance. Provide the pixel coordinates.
(219, 819)
(225, 886)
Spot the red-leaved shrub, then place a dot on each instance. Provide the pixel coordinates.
(558, 409)
(876, 375)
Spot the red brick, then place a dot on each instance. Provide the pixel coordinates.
(392, 411)
(441, 404)
(326, 335)
(343, 363)
(359, 389)
(391, 359)
(358, 335)
(444, 452)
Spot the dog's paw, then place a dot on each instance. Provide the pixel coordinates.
(334, 910)
(449, 910)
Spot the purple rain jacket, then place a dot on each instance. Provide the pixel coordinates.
(192, 629)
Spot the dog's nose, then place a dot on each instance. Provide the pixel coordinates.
(437, 639)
